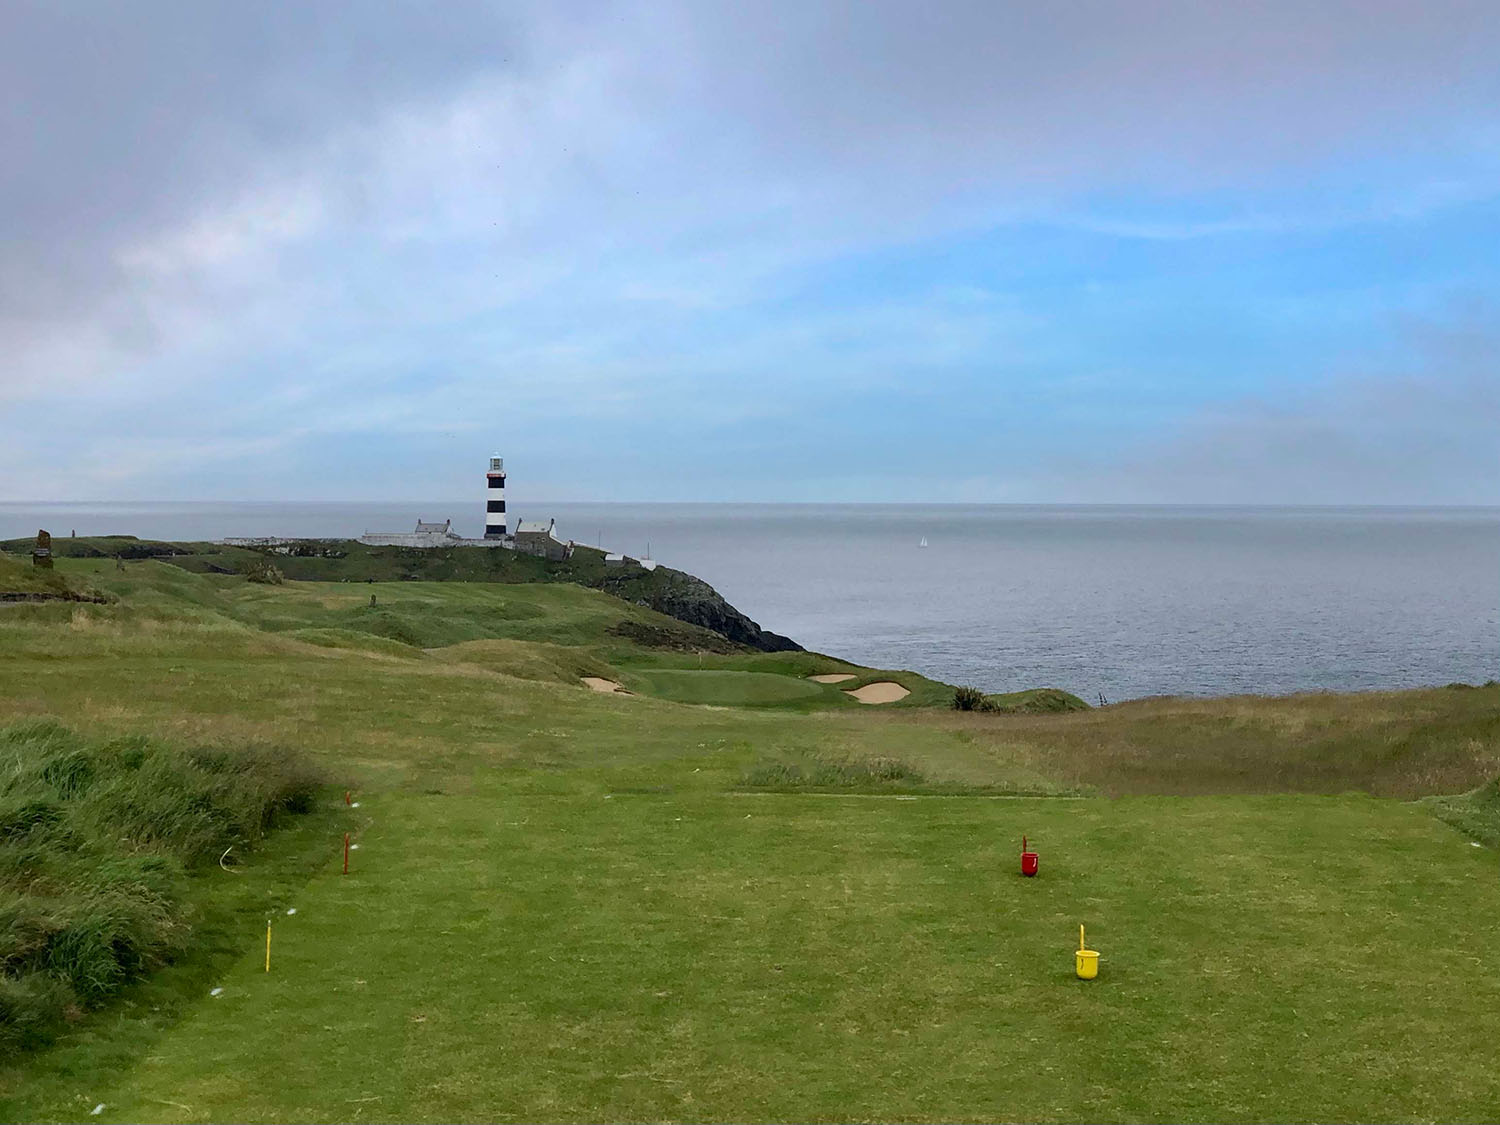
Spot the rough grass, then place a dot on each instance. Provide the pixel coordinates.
(1035, 701)
(96, 839)
(1391, 744)
(866, 775)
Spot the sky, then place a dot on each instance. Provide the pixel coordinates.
(1062, 252)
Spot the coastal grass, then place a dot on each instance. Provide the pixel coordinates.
(96, 842)
(565, 905)
(683, 597)
(1404, 744)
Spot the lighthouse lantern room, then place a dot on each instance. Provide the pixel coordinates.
(494, 505)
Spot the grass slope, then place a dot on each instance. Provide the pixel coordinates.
(671, 592)
(562, 909)
(20, 579)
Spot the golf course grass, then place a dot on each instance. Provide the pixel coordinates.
(566, 905)
(727, 689)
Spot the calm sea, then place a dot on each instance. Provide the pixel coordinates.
(1112, 601)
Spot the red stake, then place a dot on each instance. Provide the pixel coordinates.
(346, 853)
(346, 796)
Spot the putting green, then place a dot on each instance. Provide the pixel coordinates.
(727, 689)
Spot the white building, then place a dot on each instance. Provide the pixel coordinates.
(426, 535)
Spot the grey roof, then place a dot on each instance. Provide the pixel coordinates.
(433, 527)
(535, 527)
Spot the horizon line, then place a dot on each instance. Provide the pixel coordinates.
(1262, 505)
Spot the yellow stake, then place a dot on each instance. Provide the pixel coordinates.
(268, 945)
(1086, 961)
(1081, 946)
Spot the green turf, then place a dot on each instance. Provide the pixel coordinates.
(725, 688)
(19, 578)
(708, 957)
(562, 909)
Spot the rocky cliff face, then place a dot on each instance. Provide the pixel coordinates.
(693, 600)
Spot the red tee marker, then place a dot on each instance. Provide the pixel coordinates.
(346, 853)
(1028, 859)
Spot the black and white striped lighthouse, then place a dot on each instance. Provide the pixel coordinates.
(494, 504)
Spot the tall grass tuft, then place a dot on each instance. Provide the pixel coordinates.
(97, 839)
(967, 698)
(853, 774)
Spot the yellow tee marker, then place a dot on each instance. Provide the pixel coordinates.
(268, 945)
(1087, 960)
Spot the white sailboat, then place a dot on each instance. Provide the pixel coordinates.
(924, 542)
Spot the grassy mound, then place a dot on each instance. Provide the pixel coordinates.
(355, 641)
(529, 660)
(96, 840)
(19, 579)
(1033, 701)
(1476, 814)
(1036, 701)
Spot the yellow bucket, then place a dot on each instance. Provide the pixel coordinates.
(1087, 963)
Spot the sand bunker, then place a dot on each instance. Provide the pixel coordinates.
(882, 692)
(832, 677)
(608, 687)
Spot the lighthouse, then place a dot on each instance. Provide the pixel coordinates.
(494, 504)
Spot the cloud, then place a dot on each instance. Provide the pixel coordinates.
(274, 223)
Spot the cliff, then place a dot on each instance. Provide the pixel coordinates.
(672, 592)
(692, 600)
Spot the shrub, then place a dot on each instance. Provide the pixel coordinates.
(265, 571)
(31, 1007)
(969, 699)
(96, 840)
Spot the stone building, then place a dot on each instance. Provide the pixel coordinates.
(535, 537)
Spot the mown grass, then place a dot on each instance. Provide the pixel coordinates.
(96, 840)
(563, 910)
(726, 688)
(1476, 813)
(498, 956)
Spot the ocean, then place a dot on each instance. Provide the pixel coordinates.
(1108, 602)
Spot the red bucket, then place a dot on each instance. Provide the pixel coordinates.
(1028, 860)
